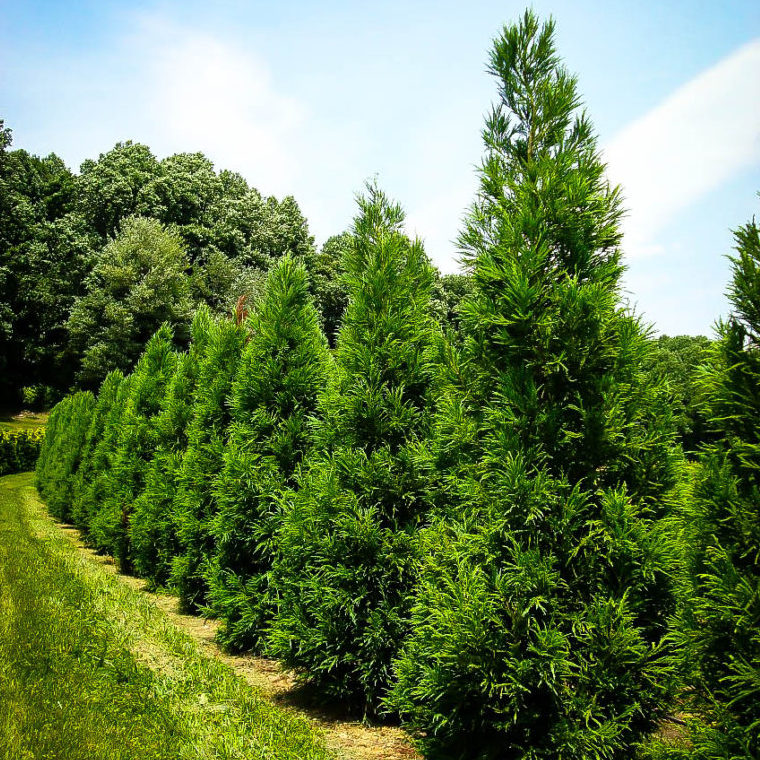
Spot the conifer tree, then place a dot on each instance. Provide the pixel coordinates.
(62, 460)
(154, 540)
(87, 468)
(720, 628)
(283, 368)
(194, 505)
(99, 489)
(135, 445)
(347, 551)
(540, 616)
(49, 446)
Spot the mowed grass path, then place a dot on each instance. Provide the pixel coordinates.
(91, 669)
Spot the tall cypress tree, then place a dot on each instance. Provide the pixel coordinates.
(135, 445)
(49, 445)
(284, 367)
(62, 460)
(720, 628)
(347, 548)
(539, 621)
(154, 540)
(96, 492)
(88, 466)
(194, 505)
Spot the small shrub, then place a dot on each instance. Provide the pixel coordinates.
(19, 450)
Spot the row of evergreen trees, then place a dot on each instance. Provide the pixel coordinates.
(490, 537)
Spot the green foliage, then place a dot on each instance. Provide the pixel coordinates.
(720, 626)
(45, 252)
(93, 493)
(678, 361)
(449, 292)
(61, 456)
(110, 187)
(194, 504)
(347, 551)
(90, 464)
(135, 445)
(57, 250)
(330, 294)
(152, 534)
(19, 449)
(283, 368)
(538, 624)
(138, 283)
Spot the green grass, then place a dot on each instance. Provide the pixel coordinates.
(90, 668)
(13, 421)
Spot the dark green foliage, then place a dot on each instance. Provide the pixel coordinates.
(110, 187)
(283, 368)
(135, 445)
(45, 252)
(449, 292)
(720, 629)
(194, 504)
(138, 283)
(327, 285)
(93, 493)
(89, 464)
(154, 540)
(538, 624)
(57, 249)
(678, 361)
(60, 459)
(19, 450)
(347, 551)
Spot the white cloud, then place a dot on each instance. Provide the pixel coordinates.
(706, 132)
(205, 94)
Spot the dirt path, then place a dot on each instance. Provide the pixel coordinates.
(349, 738)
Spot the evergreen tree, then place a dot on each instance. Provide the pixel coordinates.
(720, 628)
(66, 446)
(539, 620)
(348, 553)
(678, 360)
(283, 368)
(154, 540)
(135, 445)
(194, 505)
(49, 447)
(85, 473)
(99, 488)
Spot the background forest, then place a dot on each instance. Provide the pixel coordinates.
(92, 263)
(491, 505)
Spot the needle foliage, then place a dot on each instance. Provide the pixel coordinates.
(347, 550)
(538, 624)
(283, 369)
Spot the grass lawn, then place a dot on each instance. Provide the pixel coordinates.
(10, 420)
(89, 668)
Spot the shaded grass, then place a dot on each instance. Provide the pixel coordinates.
(89, 668)
(14, 421)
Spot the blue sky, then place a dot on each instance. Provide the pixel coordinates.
(313, 98)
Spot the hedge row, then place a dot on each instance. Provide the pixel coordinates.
(477, 535)
(19, 449)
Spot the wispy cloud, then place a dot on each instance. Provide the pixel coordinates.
(706, 132)
(206, 94)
